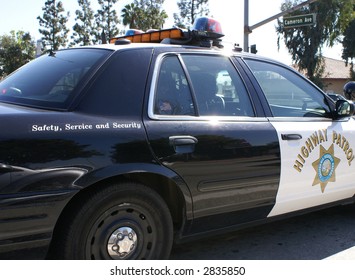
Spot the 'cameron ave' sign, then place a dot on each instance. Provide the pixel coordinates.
(301, 20)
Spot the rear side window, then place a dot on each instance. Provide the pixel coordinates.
(200, 85)
(173, 95)
(218, 88)
(51, 81)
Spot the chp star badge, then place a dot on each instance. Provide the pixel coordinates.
(325, 167)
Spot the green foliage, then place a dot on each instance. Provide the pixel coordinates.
(130, 14)
(106, 21)
(189, 11)
(144, 14)
(349, 43)
(16, 49)
(305, 43)
(54, 31)
(84, 31)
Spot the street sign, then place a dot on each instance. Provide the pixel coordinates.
(301, 20)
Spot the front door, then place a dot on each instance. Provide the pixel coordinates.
(317, 151)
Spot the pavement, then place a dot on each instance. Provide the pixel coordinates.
(348, 254)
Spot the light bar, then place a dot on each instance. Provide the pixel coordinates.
(206, 32)
(152, 36)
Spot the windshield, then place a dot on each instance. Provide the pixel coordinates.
(51, 81)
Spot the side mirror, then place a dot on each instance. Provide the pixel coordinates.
(344, 108)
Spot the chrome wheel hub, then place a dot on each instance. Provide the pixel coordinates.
(122, 243)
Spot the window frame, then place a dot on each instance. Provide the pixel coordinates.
(154, 84)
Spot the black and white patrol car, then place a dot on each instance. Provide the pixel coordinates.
(116, 151)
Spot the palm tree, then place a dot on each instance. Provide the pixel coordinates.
(129, 15)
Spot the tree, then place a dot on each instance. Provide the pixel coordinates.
(16, 49)
(129, 15)
(349, 42)
(54, 21)
(305, 43)
(189, 11)
(349, 45)
(144, 14)
(106, 21)
(83, 30)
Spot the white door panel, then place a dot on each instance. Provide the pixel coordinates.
(317, 169)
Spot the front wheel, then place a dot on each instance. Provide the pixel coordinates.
(121, 221)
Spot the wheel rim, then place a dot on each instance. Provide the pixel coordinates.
(122, 232)
(122, 243)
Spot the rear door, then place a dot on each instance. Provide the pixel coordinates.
(317, 152)
(203, 124)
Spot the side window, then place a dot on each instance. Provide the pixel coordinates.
(288, 94)
(218, 88)
(173, 96)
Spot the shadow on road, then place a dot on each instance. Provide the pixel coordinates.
(312, 236)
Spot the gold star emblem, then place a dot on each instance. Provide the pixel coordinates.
(325, 167)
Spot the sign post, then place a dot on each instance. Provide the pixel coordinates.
(249, 29)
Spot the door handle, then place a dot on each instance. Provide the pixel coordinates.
(183, 144)
(182, 140)
(290, 137)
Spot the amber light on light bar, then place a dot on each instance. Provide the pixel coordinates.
(153, 36)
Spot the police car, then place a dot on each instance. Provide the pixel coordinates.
(117, 151)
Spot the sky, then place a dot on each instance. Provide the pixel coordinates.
(22, 15)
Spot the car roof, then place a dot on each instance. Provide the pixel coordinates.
(174, 47)
(149, 45)
(229, 51)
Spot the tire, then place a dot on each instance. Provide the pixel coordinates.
(120, 221)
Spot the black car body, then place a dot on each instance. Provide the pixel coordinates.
(114, 152)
